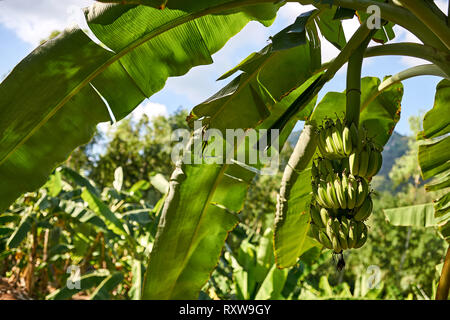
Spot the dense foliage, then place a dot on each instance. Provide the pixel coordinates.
(68, 225)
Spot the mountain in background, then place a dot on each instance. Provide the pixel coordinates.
(395, 148)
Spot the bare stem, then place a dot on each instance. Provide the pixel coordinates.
(353, 91)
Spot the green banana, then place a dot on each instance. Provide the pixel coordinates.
(352, 236)
(338, 242)
(362, 236)
(315, 217)
(365, 190)
(363, 212)
(345, 225)
(323, 239)
(331, 193)
(346, 141)
(361, 193)
(343, 240)
(375, 163)
(336, 245)
(331, 149)
(324, 216)
(339, 193)
(322, 196)
(351, 193)
(363, 162)
(337, 140)
(353, 161)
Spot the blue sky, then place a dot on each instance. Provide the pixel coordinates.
(23, 23)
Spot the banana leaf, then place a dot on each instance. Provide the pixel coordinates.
(434, 155)
(421, 215)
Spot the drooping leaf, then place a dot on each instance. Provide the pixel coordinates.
(50, 102)
(256, 87)
(436, 122)
(331, 28)
(102, 292)
(421, 215)
(101, 209)
(344, 13)
(87, 281)
(21, 231)
(79, 180)
(293, 35)
(434, 158)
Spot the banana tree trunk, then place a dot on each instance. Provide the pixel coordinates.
(444, 282)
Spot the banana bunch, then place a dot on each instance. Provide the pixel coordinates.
(337, 140)
(337, 234)
(367, 162)
(341, 192)
(342, 200)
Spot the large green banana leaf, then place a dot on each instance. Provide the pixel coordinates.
(204, 200)
(53, 99)
(380, 112)
(434, 155)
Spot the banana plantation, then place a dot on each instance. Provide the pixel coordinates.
(276, 187)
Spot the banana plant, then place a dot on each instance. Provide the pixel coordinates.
(93, 231)
(52, 101)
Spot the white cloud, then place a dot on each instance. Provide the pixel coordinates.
(151, 109)
(34, 20)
